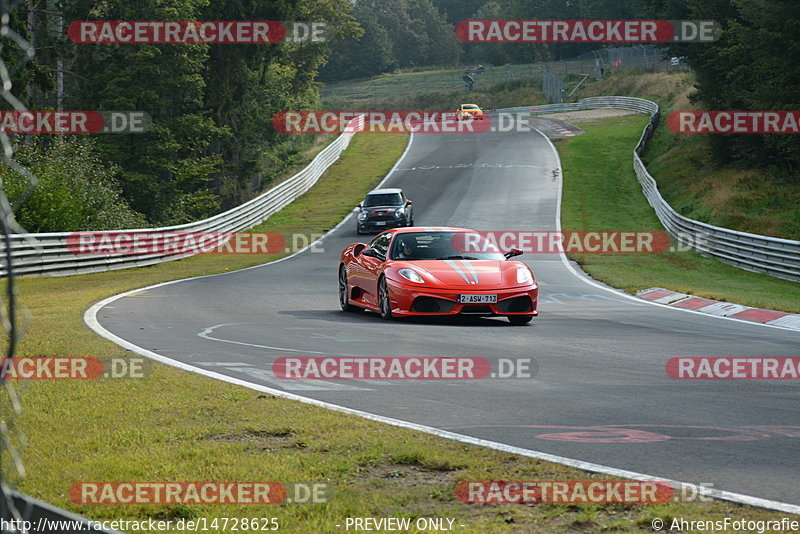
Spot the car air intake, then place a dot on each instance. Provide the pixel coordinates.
(431, 305)
(515, 305)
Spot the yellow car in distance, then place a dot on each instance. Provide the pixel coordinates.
(470, 111)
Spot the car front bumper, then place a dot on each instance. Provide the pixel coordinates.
(413, 300)
(374, 226)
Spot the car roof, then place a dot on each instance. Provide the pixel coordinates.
(385, 191)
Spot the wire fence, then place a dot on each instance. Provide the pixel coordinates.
(18, 512)
(15, 52)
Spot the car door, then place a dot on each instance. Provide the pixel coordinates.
(372, 267)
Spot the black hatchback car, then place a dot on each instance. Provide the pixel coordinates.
(382, 209)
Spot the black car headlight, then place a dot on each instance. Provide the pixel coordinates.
(362, 216)
(398, 213)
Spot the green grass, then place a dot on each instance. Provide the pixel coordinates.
(506, 94)
(179, 426)
(601, 192)
(445, 79)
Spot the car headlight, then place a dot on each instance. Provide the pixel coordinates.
(362, 215)
(411, 275)
(398, 213)
(524, 276)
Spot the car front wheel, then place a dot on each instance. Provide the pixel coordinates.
(384, 300)
(344, 291)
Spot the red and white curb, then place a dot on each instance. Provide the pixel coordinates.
(720, 308)
(558, 128)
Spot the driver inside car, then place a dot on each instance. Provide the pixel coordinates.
(406, 250)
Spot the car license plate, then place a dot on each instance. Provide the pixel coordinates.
(477, 299)
(380, 223)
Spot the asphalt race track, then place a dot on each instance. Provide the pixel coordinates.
(601, 393)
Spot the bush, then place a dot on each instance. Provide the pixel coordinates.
(76, 191)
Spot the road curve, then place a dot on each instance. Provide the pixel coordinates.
(601, 393)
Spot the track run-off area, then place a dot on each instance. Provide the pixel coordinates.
(600, 398)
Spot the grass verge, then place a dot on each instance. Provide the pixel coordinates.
(178, 426)
(601, 192)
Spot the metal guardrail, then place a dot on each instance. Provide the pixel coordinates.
(48, 253)
(771, 255)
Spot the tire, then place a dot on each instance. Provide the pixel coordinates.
(384, 301)
(411, 221)
(519, 320)
(358, 230)
(344, 292)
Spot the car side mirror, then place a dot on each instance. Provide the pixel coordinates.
(358, 205)
(358, 249)
(408, 202)
(513, 252)
(371, 252)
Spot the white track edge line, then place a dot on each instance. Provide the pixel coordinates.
(90, 318)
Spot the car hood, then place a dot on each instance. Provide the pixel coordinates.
(474, 274)
(380, 210)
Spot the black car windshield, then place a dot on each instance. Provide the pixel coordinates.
(470, 106)
(383, 199)
(443, 246)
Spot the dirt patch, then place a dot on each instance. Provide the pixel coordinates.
(262, 440)
(410, 475)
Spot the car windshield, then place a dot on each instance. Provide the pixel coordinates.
(383, 199)
(443, 246)
(470, 106)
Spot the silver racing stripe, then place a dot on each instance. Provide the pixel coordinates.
(458, 269)
(472, 271)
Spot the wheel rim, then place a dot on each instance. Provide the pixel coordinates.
(343, 287)
(386, 307)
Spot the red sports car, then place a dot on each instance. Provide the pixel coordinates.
(430, 271)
